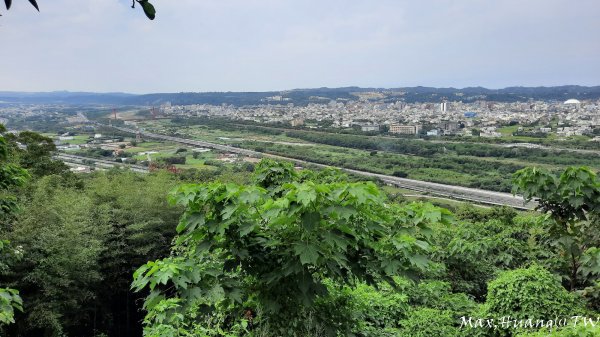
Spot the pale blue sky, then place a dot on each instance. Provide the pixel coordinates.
(256, 45)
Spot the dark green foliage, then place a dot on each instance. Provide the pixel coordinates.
(174, 160)
(473, 252)
(80, 247)
(61, 247)
(10, 176)
(400, 174)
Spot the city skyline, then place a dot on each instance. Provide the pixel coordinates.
(200, 46)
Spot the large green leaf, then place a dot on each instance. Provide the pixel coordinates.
(307, 252)
(310, 220)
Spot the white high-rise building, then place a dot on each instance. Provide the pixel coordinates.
(444, 107)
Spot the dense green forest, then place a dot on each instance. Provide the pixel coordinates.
(282, 252)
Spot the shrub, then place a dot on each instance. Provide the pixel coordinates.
(400, 174)
(532, 293)
(174, 160)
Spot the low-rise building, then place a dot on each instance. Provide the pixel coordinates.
(405, 129)
(369, 128)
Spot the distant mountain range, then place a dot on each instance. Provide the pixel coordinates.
(306, 96)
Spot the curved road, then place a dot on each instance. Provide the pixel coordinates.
(457, 192)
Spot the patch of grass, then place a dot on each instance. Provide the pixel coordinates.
(509, 130)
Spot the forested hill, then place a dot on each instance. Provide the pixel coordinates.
(305, 96)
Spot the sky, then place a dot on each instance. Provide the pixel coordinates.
(260, 45)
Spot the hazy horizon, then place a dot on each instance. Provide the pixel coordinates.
(282, 90)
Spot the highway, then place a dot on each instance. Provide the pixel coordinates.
(455, 192)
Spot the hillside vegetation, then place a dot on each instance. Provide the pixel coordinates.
(282, 252)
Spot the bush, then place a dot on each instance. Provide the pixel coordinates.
(400, 174)
(532, 293)
(174, 160)
(213, 162)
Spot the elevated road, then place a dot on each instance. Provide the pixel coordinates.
(456, 192)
